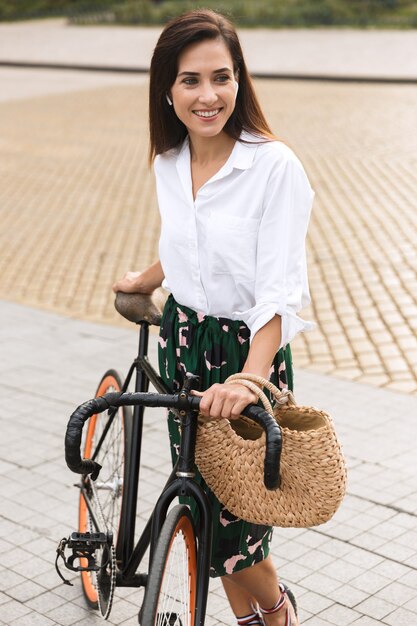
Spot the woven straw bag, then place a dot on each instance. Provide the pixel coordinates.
(230, 457)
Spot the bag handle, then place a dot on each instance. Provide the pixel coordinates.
(285, 396)
(256, 390)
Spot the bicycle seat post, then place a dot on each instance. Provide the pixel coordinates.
(143, 340)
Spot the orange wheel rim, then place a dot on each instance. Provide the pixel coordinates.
(184, 525)
(87, 580)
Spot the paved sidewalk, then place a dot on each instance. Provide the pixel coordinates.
(326, 52)
(360, 568)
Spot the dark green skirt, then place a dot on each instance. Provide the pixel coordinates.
(214, 348)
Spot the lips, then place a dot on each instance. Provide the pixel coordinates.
(207, 113)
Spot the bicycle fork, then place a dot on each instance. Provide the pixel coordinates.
(184, 485)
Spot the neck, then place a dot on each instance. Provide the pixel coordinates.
(208, 149)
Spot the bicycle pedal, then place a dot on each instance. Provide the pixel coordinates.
(83, 547)
(89, 541)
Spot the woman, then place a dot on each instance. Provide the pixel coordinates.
(235, 205)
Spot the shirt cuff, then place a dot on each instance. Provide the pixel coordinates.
(165, 285)
(259, 315)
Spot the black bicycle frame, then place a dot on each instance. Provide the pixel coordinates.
(180, 483)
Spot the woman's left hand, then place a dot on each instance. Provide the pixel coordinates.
(225, 401)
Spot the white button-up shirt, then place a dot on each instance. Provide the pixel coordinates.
(238, 249)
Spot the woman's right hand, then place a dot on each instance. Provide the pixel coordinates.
(141, 282)
(130, 283)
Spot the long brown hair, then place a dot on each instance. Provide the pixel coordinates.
(166, 130)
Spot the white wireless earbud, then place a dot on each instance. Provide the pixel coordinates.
(169, 100)
(236, 89)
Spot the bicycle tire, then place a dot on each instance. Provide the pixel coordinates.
(113, 456)
(170, 598)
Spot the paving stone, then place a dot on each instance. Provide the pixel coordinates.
(9, 579)
(398, 594)
(318, 560)
(398, 552)
(366, 621)
(294, 572)
(376, 607)
(411, 604)
(318, 582)
(67, 614)
(12, 610)
(12, 556)
(342, 571)
(370, 542)
(370, 582)
(317, 621)
(32, 567)
(45, 602)
(34, 619)
(362, 558)
(391, 570)
(400, 617)
(348, 595)
(4, 598)
(314, 603)
(25, 591)
(341, 615)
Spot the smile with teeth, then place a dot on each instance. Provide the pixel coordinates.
(207, 113)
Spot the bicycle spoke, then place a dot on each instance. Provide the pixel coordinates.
(170, 599)
(106, 493)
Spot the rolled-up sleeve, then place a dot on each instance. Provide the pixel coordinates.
(281, 281)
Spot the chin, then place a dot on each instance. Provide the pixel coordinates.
(207, 132)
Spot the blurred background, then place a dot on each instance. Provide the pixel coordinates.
(277, 13)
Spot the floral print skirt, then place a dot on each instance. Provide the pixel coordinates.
(214, 348)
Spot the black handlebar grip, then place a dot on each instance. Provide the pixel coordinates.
(74, 433)
(273, 444)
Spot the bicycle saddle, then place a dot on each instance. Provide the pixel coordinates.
(139, 307)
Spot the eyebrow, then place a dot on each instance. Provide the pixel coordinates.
(222, 69)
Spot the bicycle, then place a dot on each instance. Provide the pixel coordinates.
(176, 586)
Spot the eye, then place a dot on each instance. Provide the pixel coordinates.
(222, 78)
(189, 81)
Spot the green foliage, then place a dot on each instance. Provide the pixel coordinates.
(272, 13)
(26, 9)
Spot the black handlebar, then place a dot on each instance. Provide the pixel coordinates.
(175, 401)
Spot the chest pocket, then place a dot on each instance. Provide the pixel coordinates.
(232, 243)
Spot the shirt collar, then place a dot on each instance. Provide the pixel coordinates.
(244, 153)
(241, 158)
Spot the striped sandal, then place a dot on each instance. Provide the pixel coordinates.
(253, 619)
(281, 603)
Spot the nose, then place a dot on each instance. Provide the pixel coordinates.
(207, 94)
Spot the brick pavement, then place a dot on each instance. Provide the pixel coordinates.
(78, 209)
(360, 568)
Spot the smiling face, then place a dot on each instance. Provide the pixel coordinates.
(204, 92)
